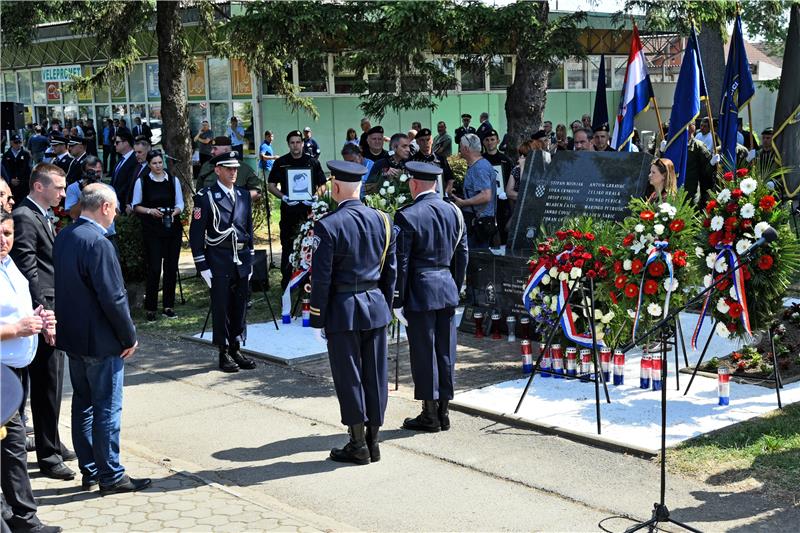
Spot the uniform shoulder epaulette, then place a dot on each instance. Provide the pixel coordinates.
(202, 191)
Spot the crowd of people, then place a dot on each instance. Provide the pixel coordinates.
(366, 266)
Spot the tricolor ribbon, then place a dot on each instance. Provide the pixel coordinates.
(536, 276)
(658, 251)
(568, 325)
(738, 283)
(286, 299)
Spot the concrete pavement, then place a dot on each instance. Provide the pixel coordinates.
(254, 444)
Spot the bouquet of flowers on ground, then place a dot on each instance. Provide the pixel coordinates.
(737, 215)
(392, 194)
(576, 252)
(652, 268)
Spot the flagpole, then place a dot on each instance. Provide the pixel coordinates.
(750, 120)
(708, 105)
(658, 117)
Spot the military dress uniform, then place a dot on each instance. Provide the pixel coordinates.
(354, 271)
(62, 161)
(431, 263)
(74, 170)
(461, 130)
(434, 159)
(221, 238)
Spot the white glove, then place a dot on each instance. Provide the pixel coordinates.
(398, 313)
(502, 195)
(714, 160)
(285, 199)
(206, 275)
(750, 155)
(663, 146)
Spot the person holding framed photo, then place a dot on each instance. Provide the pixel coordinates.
(296, 179)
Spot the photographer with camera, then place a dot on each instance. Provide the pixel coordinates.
(158, 200)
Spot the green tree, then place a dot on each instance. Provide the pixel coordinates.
(115, 27)
(388, 45)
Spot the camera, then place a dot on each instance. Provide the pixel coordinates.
(167, 216)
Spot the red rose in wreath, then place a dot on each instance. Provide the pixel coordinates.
(628, 240)
(742, 172)
(620, 281)
(605, 251)
(636, 266)
(650, 287)
(647, 216)
(613, 297)
(728, 176)
(767, 203)
(656, 269)
(706, 222)
(679, 258)
(735, 309)
(631, 290)
(618, 267)
(746, 224)
(765, 262)
(736, 193)
(711, 205)
(731, 327)
(715, 238)
(561, 235)
(677, 225)
(589, 236)
(731, 207)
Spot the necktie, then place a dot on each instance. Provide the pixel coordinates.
(49, 217)
(233, 198)
(116, 169)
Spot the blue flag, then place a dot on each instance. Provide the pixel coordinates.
(738, 89)
(689, 93)
(600, 114)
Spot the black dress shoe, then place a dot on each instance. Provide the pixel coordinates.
(89, 484)
(356, 450)
(68, 455)
(18, 527)
(59, 471)
(126, 484)
(240, 360)
(226, 364)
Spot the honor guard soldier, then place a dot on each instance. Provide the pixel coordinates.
(352, 284)
(426, 154)
(221, 237)
(17, 162)
(77, 150)
(601, 138)
(431, 265)
(465, 127)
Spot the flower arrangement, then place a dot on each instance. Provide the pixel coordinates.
(302, 248)
(572, 253)
(392, 194)
(737, 215)
(652, 268)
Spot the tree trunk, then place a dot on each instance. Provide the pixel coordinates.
(527, 96)
(712, 52)
(172, 61)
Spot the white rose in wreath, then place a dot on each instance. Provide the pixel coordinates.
(722, 330)
(403, 178)
(711, 259)
(401, 199)
(708, 279)
(545, 281)
(733, 295)
(631, 313)
(671, 286)
(699, 252)
(659, 229)
(639, 228)
(575, 273)
(627, 264)
(723, 196)
(382, 191)
(758, 230)
(654, 309)
(748, 185)
(722, 306)
(390, 190)
(717, 222)
(385, 184)
(748, 210)
(742, 246)
(553, 272)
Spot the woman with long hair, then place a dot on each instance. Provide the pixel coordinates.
(352, 137)
(662, 180)
(512, 186)
(158, 200)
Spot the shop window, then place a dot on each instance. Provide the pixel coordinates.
(501, 71)
(219, 79)
(312, 76)
(24, 84)
(39, 91)
(576, 75)
(473, 77)
(556, 80)
(267, 87)
(10, 87)
(136, 81)
(343, 79)
(448, 67)
(220, 117)
(243, 111)
(151, 76)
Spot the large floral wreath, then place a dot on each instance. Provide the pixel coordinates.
(557, 264)
(652, 269)
(743, 207)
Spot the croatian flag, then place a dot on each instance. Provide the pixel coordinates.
(636, 96)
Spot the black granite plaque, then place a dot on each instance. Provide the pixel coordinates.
(599, 184)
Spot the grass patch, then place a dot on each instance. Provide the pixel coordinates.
(192, 314)
(765, 450)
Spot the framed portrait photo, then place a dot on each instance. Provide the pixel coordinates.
(301, 186)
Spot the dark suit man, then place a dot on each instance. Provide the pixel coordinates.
(127, 167)
(95, 329)
(351, 297)
(17, 166)
(142, 129)
(221, 237)
(431, 264)
(33, 255)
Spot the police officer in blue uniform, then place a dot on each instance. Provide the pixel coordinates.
(354, 271)
(431, 265)
(221, 237)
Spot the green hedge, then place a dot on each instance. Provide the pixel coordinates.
(131, 248)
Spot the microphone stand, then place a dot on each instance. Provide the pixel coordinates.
(660, 510)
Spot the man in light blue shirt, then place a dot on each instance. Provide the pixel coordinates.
(480, 190)
(266, 154)
(236, 133)
(92, 170)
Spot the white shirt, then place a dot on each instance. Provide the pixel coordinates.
(93, 221)
(15, 304)
(228, 191)
(137, 191)
(707, 139)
